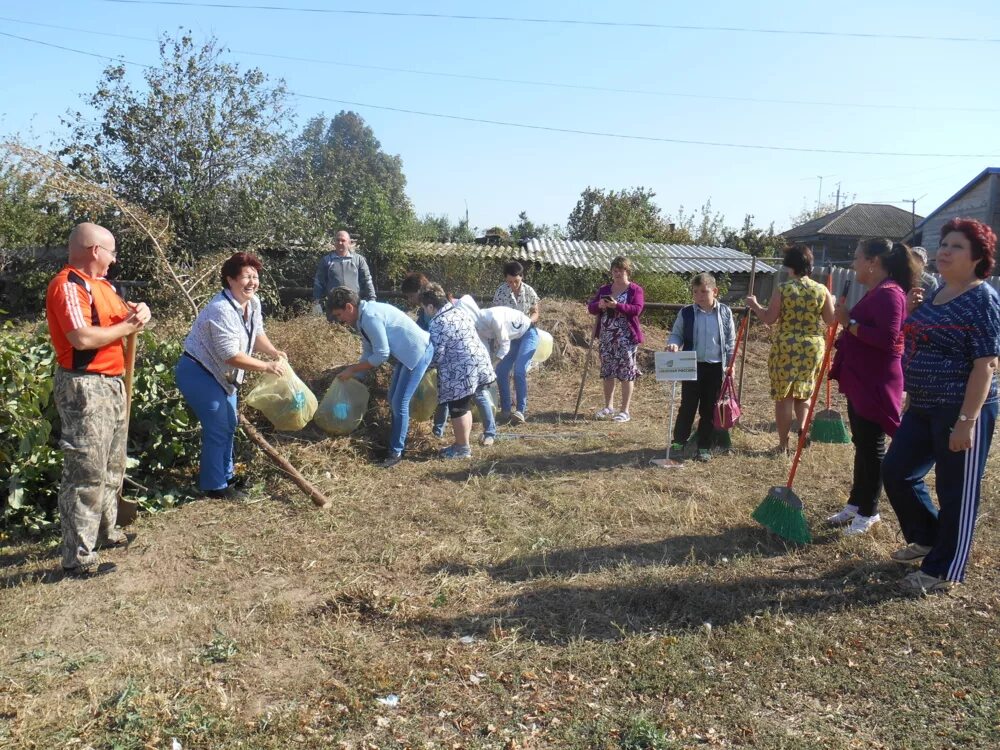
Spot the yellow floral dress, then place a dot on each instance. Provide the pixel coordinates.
(798, 344)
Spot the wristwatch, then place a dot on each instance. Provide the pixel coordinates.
(852, 322)
(964, 418)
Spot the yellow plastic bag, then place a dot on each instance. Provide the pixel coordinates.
(544, 350)
(494, 397)
(425, 399)
(343, 407)
(284, 399)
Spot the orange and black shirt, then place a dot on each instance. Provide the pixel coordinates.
(75, 300)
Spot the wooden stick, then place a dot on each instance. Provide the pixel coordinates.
(127, 509)
(586, 368)
(743, 356)
(319, 499)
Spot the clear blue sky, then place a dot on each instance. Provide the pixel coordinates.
(499, 171)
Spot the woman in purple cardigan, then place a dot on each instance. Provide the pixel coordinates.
(618, 306)
(868, 367)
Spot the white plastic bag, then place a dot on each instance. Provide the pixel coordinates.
(544, 350)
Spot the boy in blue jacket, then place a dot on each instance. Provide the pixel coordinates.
(705, 327)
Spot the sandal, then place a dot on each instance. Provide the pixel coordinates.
(606, 413)
(621, 416)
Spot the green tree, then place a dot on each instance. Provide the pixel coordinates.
(340, 178)
(754, 240)
(620, 216)
(526, 229)
(432, 228)
(27, 217)
(196, 143)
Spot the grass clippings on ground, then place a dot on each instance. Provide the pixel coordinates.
(556, 591)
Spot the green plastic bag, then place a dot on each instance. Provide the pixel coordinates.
(343, 407)
(425, 398)
(494, 397)
(285, 400)
(544, 350)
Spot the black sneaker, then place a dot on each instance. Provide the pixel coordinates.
(229, 493)
(90, 571)
(238, 481)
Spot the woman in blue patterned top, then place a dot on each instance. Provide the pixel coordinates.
(462, 362)
(952, 341)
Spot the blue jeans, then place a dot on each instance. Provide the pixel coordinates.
(484, 401)
(517, 359)
(920, 444)
(216, 411)
(401, 389)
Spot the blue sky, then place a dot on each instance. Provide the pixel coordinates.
(499, 171)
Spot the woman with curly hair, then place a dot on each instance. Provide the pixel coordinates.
(952, 341)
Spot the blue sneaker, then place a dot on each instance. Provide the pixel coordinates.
(456, 451)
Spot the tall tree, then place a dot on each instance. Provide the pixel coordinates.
(526, 229)
(618, 216)
(196, 142)
(754, 240)
(339, 177)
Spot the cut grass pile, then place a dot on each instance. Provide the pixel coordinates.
(556, 591)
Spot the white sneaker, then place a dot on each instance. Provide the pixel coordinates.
(843, 517)
(862, 525)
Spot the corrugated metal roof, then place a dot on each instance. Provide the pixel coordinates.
(647, 256)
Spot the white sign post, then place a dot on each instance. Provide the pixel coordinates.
(670, 368)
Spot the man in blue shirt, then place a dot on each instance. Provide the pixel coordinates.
(342, 267)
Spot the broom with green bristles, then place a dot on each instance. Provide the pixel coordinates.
(782, 512)
(829, 427)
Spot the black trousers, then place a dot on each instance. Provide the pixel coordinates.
(699, 396)
(869, 451)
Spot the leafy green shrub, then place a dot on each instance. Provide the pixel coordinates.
(163, 440)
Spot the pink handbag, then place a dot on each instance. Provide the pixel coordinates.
(727, 408)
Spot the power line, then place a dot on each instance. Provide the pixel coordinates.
(78, 51)
(561, 21)
(547, 84)
(554, 129)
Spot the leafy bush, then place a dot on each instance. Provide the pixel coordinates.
(163, 441)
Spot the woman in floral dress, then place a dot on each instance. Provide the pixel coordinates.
(803, 309)
(618, 306)
(462, 362)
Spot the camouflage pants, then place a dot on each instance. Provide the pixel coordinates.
(92, 412)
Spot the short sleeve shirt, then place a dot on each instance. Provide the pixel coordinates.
(74, 300)
(524, 300)
(943, 341)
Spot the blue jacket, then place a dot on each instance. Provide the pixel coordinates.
(682, 333)
(386, 330)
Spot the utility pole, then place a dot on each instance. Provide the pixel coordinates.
(838, 197)
(913, 209)
(819, 193)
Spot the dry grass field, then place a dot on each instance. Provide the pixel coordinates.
(555, 592)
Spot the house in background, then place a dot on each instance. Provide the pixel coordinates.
(835, 236)
(979, 200)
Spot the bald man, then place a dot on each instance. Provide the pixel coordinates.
(342, 267)
(88, 322)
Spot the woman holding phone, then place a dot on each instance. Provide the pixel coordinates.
(618, 306)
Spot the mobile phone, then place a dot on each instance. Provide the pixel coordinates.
(607, 297)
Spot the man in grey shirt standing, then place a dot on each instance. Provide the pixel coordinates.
(342, 267)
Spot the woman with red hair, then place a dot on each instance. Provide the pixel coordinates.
(219, 349)
(952, 341)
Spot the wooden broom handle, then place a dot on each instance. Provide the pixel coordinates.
(804, 432)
